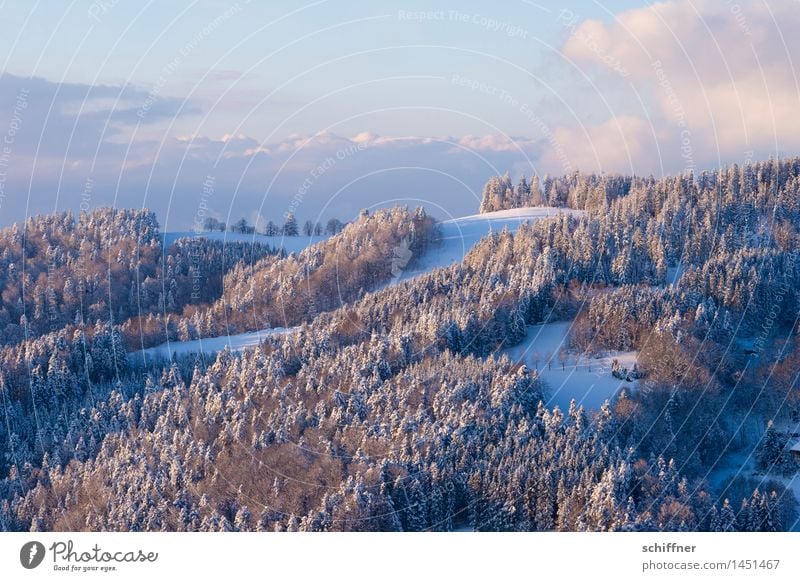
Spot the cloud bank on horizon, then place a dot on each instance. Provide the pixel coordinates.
(675, 86)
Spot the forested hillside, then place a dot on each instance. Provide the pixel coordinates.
(393, 407)
(107, 266)
(284, 293)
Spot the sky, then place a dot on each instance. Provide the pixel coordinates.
(322, 108)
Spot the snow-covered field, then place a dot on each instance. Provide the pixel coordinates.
(289, 243)
(460, 235)
(587, 380)
(208, 346)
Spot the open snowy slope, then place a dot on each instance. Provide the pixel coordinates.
(208, 346)
(459, 235)
(288, 243)
(587, 380)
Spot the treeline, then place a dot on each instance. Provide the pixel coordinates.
(577, 190)
(290, 227)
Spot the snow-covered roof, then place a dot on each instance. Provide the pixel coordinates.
(796, 448)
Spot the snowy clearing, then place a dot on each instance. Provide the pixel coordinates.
(210, 345)
(674, 274)
(587, 380)
(460, 235)
(289, 243)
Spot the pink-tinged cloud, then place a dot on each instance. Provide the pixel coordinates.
(721, 76)
(624, 144)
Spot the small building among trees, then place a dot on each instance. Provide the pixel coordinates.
(795, 451)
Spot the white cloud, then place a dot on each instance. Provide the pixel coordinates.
(523, 146)
(720, 74)
(625, 144)
(319, 175)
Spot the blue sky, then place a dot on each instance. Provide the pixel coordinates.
(276, 48)
(136, 103)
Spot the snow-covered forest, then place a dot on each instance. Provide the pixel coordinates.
(408, 397)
